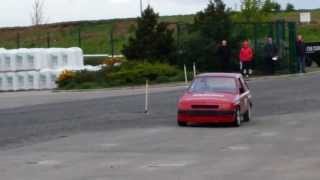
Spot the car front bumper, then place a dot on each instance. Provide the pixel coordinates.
(205, 116)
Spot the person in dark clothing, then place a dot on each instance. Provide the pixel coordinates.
(224, 54)
(301, 55)
(270, 55)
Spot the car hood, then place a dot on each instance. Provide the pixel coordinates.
(208, 98)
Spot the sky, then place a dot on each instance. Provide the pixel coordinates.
(18, 12)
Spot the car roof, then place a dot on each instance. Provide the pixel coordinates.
(228, 75)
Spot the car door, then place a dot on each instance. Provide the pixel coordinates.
(244, 96)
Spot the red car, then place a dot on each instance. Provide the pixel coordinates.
(215, 98)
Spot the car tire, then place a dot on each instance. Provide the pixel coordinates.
(182, 124)
(238, 118)
(248, 115)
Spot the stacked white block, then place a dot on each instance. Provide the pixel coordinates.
(2, 79)
(9, 62)
(35, 59)
(32, 80)
(11, 83)
(36, 69)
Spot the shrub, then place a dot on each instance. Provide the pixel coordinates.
(129, 73)
(162, 79)
(137, 73)
(178, 77)
(89, 85)
(66, 78)
(85, 76)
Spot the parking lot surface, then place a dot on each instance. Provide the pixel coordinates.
(105, 135)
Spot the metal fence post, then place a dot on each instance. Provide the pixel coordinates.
(79, 38)
(271, 29)
(283, 28)
(255, 34)
(292, 47)
(112, 41)
(278, 32)
(48, 40)
(178, 43)
(18, 40)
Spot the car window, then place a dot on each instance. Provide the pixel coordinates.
(214, 84)
(243, 88)
(244, 84)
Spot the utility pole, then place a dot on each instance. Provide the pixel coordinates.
(141, 8)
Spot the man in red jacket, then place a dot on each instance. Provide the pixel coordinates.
(246, 57)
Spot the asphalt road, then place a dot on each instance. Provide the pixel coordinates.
(105, 135)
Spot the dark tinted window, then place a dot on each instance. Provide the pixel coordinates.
(214, 84)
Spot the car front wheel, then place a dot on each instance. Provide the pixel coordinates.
(238, 118)
(182, 124)
(248, 115)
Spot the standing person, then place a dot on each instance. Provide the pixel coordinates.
(246, 57)
(301, 55)
(224, 54)
(270, 55)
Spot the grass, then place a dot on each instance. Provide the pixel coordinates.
(96, 35)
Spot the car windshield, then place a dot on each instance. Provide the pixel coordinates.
(213, 84)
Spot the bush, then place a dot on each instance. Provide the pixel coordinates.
(178, 77)
(129, 73)
(162, 79)
(89, 85)
(66, 78)
(85, 76)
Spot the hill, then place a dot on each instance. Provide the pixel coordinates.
(96, 35)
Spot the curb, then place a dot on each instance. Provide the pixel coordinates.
(285, 76)
(178, 84)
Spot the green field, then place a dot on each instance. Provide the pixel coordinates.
(96, 35)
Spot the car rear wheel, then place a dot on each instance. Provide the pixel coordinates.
(248, 115)
(238, 118)
(182, 124)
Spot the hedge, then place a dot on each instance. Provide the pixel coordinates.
(129, 73)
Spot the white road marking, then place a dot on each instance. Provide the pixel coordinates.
(238, 148)
(158, 165)
(268, 134)
(108, 145)
(47, 163)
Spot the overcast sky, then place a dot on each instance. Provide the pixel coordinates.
(17, 12)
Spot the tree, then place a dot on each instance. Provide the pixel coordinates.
(37, 14)
(251, 10)
(277, 7)
(214, 22)
(152, 40)
(210, 26)
(271, 6)
(268, 6)
(290, 7)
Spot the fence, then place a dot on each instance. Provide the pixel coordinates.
(109, 38)
(283, 34)
(93, 38)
